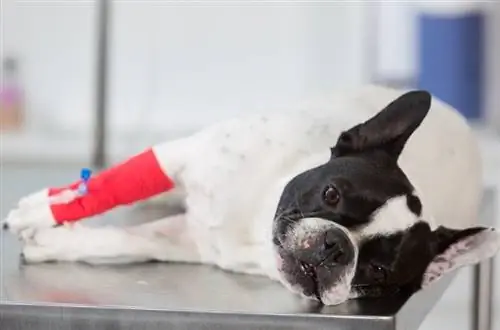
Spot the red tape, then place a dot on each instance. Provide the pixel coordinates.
(136, 179)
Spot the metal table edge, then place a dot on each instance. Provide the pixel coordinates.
(98, 316)
(408, 317)
(411, 317)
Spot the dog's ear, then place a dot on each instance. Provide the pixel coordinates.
(413, 259)
(389, 129)
(458, 248)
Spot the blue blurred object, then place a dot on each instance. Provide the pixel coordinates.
(451, 59)
(85, 175)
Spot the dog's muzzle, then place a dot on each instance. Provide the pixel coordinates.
(316, 257)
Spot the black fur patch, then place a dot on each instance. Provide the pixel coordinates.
(401, 259)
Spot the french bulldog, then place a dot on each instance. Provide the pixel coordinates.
(374, 194)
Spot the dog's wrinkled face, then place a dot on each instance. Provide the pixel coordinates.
(323, 213)
(352, 227)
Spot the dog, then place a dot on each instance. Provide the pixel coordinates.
(374, 194)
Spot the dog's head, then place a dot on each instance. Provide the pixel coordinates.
(354, 226)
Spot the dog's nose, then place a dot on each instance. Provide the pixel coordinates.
(335, 247)
(330, 239)
(330, 247)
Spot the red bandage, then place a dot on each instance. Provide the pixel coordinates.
(138, 178)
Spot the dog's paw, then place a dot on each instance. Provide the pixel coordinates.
(50, 244)
(32, 213)
(32, 254)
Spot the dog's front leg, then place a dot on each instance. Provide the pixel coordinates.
(147, 174)
(167, 239)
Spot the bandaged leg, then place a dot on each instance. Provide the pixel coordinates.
(145, 175)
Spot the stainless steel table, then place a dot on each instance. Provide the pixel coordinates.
(160, 296)
(172, 296)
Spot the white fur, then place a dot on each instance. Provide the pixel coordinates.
(391, 217)
(341, 291)
(306, 229)
(233, 173)
(33, 212)
(64, 197)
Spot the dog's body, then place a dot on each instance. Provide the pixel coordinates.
(232, 175)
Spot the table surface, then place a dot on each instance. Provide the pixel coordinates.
(174, 296)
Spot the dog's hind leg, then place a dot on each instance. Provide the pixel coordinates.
(147, 174)
(167, 239)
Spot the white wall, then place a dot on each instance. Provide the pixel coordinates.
(185, 65)
(55, 45)
(396, 56)
(177, 66)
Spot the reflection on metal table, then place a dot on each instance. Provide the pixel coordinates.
(177, 296)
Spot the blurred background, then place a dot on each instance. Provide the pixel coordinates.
(85, 83)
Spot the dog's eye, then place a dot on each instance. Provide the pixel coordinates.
(379, 272)
(331, 196)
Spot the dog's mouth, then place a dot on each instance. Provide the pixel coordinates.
(299, 276)
(310, 271)
(314, 281)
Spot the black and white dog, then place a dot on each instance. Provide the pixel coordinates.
(375, 193)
